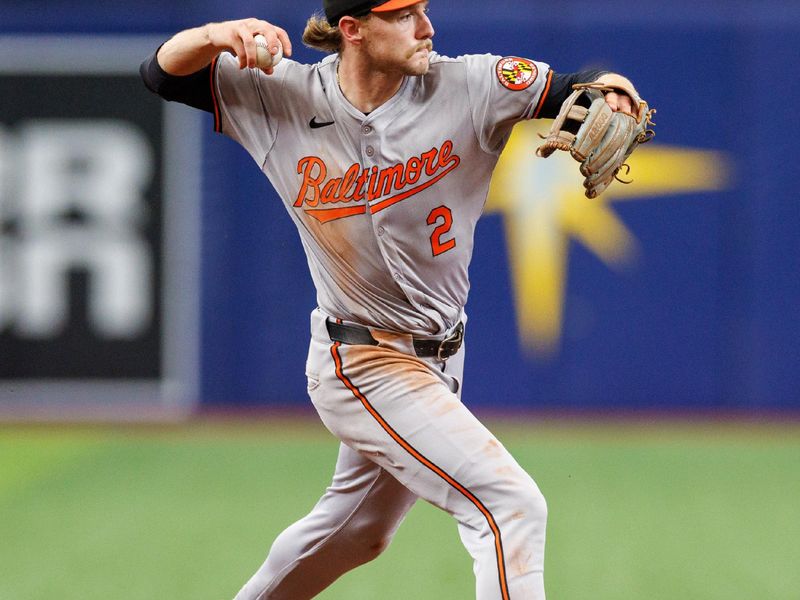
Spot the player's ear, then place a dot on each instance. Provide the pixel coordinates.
(351, 29)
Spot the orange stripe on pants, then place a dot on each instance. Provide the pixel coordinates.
(498, 543)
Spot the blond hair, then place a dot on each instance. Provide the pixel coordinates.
(321, 35)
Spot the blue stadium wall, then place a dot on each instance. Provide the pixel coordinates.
(679, 292)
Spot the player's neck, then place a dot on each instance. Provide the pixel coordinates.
(367, 88)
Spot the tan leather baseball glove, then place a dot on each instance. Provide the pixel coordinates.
(604, 139)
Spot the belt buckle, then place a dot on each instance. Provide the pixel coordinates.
(455, 338)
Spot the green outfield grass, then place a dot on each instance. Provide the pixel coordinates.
(640, 512)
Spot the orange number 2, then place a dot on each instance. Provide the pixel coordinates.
(444, 217)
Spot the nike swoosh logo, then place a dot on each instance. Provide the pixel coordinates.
(315, 125)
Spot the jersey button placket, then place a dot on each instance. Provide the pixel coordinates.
(369, 148)
(369, 152)
(385, 242)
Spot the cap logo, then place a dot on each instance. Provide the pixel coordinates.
(515, 73)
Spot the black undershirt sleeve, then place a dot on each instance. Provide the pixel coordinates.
(193, 90)
(561, 88)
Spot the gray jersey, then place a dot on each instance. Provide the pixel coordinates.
(386, 204)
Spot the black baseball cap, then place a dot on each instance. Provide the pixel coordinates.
(336, 9)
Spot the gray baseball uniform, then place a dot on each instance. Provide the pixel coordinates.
(386, 205)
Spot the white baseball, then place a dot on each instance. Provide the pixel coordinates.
(265, 59)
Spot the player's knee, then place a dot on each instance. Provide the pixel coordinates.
(539, 506)
(367, 541)
(366, 549)
(529, 504)
(373, 548)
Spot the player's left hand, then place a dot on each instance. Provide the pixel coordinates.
(620, 102)
(608, 131)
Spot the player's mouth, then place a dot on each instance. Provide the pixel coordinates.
(423, 48)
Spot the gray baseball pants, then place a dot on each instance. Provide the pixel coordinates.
(405, 435)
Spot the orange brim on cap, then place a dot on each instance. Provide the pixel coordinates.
(395, 5)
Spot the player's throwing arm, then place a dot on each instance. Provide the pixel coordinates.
(192, 50)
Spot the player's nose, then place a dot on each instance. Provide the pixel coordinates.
(425, 28)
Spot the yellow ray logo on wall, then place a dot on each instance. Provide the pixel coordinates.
(544, 210)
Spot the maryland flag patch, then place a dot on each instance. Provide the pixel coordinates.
(516, 73)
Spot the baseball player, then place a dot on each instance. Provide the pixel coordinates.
(382, 154)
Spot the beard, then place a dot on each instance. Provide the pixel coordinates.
(426, 45)
(412, 62)
(420, 64)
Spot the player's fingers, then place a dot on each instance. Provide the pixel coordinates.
(619, 102)
(224, 35)
(277, 39)
(248, 59)
(238, 49)
(625, 104)
(612, 99)
(285, 41)
(273, 42)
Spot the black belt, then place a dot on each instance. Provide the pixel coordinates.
(361, 336)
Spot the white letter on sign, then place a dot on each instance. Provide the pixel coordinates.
(81, 207)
